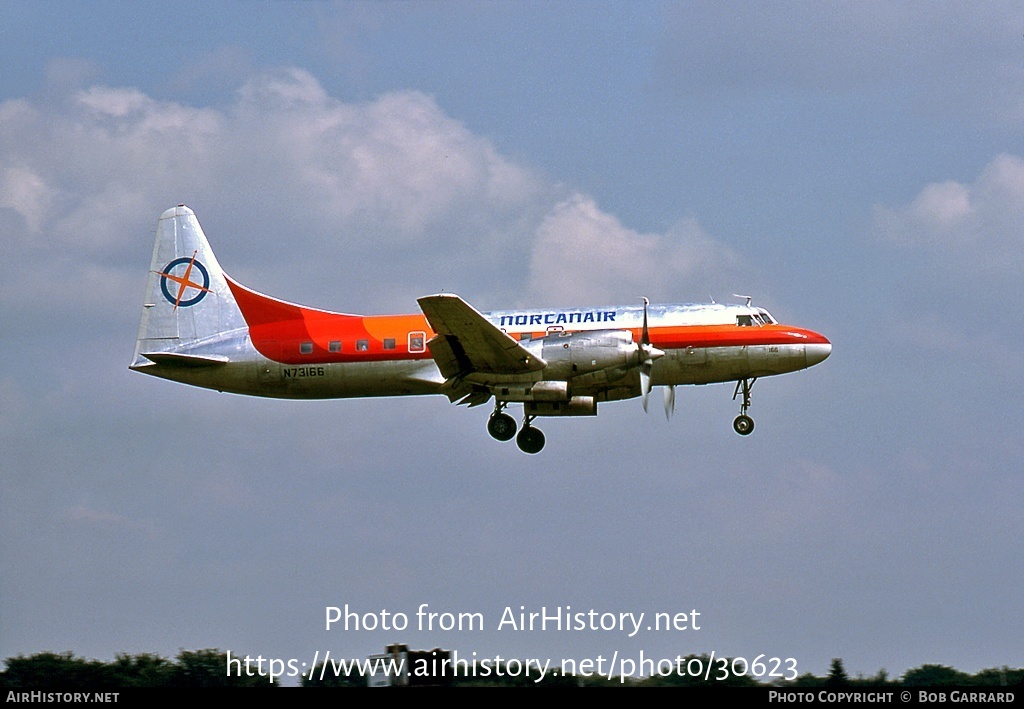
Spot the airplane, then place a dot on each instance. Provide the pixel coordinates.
(201, 327)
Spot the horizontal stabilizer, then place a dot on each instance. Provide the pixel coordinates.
(177, 359)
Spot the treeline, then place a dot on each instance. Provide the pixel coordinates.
(64, 671)
(923, 676)
(208, 668)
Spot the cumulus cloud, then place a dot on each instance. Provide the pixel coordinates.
(390, 195)
(585, 255)
(398, 160)
(24, 192)
(977, 226)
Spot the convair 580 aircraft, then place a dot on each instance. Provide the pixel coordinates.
(200, 327)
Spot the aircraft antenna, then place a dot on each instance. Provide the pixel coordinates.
(748, 297)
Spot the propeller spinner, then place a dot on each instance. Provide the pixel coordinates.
(647, 353)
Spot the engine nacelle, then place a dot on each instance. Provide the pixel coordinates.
(576, 362)
(586, 359)
(576, 406)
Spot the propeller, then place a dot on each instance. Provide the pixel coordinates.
(670, 400)
(647, 354)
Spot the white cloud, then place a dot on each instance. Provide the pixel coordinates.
(942, 205)
(338, 197)
(25, 192)
(397, 162)
(973, 227)
(582, 254)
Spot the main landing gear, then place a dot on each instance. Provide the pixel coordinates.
(743, 424)
(530, 439)
(502, 427)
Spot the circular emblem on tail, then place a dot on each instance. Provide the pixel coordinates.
(190, 282)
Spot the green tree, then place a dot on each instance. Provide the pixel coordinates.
(837, 674)
(805, 680)
(935, 676)
(719, 675)
(999, 677)
(142, 670)
(50, 670)
(331, 678)
(881, 679)
(208, 668)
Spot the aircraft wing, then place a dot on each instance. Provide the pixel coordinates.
(468, 343)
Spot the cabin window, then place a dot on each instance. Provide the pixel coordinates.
(744, 321)
(306, 347)
(389, 343)
(416, 340)
(334, 346)
(362, 345)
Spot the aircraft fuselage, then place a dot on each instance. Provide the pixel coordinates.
(331, 355)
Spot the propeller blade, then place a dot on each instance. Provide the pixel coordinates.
(646, 354)
(670, 401)
(645, 338)
(645, 382)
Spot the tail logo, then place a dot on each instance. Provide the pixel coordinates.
(183, 277)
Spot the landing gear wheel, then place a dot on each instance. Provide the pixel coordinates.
(501, 426)
(530, 440)
(743, 425)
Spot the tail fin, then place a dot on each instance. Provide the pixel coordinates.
(188, 302)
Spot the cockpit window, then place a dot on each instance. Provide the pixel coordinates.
(758, 317)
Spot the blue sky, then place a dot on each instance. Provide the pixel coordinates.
(857, 168)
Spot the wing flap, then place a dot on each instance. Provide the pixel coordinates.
(467, 342)
(448, 355)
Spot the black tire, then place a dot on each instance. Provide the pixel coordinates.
(530, 440)
(502, 427)
(743, 425)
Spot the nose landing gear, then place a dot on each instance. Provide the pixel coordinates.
(743, 424)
